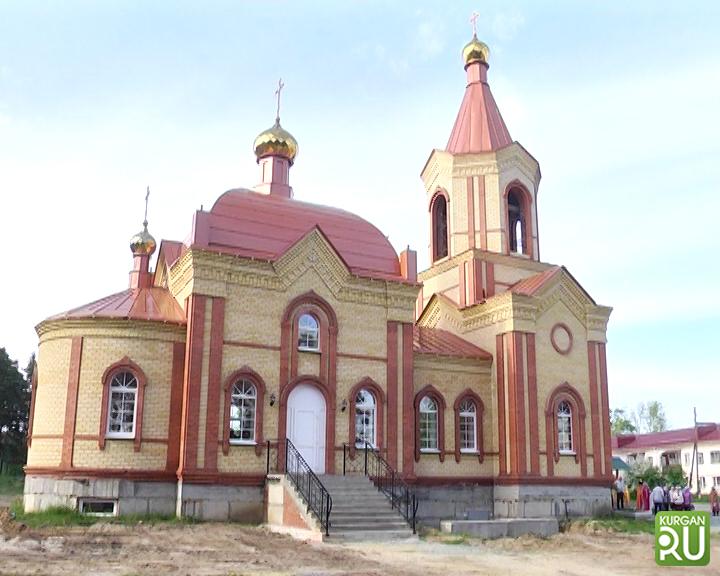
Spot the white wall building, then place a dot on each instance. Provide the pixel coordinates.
(663, 449)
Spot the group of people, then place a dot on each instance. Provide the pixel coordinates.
(662, 497)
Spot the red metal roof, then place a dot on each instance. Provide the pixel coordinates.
(479, 127)
(170, 251)
(154, 304)
(264, 226)
(444, 343)
(657, 439)
(528, 286)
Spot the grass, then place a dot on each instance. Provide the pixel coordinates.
(617, 524)
(62, 516)
(11, 484)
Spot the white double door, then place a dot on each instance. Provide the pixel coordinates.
(306, 424)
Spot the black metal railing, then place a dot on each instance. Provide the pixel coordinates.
(272, 457)
(308, 485)
(369, 461)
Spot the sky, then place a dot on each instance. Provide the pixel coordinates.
(617, 100)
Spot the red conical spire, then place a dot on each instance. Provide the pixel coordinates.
(479, 127)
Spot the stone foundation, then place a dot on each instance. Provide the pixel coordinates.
(220, 503)
(452, 502)
(537, 501)
(204, 502)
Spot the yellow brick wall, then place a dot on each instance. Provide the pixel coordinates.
(451, 379)
(553, 369)
(119, 454)
(45, 452)
(53, 372)
(105, 343)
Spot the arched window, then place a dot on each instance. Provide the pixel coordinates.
(440, 228)
(468, 426)
(365, 419)
(308, 333)
(564, 428)
(516, 222)
(428, 424)
(122, 405)
(242, 412)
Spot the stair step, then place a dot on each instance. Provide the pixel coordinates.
(368, 535)
(380, 525)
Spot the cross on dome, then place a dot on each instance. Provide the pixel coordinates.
(473, 21)
(277, 94)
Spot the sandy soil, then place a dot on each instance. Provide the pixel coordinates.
(227, 549)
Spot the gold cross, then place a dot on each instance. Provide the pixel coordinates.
(146, 205)
(473, 20)
(277, 93)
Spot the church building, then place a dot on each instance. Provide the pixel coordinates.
(481, 380)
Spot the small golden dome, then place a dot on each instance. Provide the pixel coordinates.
(475, 51)
(276, 141)
(143, 243)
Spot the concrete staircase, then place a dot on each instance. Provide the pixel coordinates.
(361, 512)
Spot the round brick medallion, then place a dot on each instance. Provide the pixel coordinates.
(561, 338)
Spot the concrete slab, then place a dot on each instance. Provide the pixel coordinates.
(502, 528)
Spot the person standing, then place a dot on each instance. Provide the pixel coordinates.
(620, 488)
(639, 495)
(646, 497)
(714, 502)
(658, 499)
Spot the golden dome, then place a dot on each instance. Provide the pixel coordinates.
(143, 244)
(475, 51)
(276, 141)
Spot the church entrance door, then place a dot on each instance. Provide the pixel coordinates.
(306, 424)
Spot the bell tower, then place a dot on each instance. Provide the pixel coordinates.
(481, 198)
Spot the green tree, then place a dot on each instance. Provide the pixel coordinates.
(649, 474)
(14, 409)
(650, 417)
(620, 423)
(674, 476)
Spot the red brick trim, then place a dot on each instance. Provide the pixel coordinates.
(392, 393)
(362, 357)
(224, 478)
(483, 213)
(566, 392)
(516, 403)
(435, 394)
(248, 374)
(555, 481)
(468, 394)
(33, 396)
(102, 473)
(212, 418)
(490, 278)
(471, 211)
(594, 408)
(433, 224)
(71, 402)
(558, 349)
(176, 396)
(607, 460)
(462, 285)
(534, 428)
(500, 370)
(255, 345)
(368, 384)
(408, 388)
(330, 414)
(191, 386)
(453, 481)
(124, 365)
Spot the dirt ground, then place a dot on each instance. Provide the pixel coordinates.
(228, 549)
